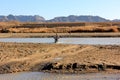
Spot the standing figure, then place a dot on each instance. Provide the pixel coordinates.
(56, 38)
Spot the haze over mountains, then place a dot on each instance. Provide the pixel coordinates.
(22, 18)
(71, 18)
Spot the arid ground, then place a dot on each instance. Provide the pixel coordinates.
(63, 58)
(43, 35)
(73, 27)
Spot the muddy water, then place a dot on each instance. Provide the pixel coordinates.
(101, 41)
(50, 76)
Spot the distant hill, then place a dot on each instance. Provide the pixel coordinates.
(71, 18)
(22, 18)
(116, 20)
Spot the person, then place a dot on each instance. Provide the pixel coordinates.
(56, 38)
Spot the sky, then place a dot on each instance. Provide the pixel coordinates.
(49, 9)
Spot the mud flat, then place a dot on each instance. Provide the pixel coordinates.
(30, 35)
(59, 58)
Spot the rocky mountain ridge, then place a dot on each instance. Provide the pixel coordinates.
(71, 18)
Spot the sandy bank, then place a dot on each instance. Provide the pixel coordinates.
(18, 57)
(30, 35)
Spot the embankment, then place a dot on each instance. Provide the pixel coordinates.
(42, 35)
(62, 58)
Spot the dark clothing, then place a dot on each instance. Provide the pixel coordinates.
(56, 38)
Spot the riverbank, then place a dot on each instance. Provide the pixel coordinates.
(59, 58)
(42, 35)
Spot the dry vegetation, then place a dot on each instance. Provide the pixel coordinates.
(17, 27)
(9, 24)
(18, 57)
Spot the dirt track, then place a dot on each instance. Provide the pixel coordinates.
(18, 57)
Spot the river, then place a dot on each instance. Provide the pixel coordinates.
(93, 41)
(53, 76)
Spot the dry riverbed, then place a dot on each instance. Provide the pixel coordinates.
(61, 58)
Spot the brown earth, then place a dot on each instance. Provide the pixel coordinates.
(17, 27)
(47, 35)
(64, 29)
(63, 58)
(9, 24)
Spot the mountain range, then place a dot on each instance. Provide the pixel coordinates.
(22, 18)
(71, 18)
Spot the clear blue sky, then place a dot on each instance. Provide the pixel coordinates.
(51, 8)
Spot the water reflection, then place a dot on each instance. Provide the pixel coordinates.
(50, 76)
(28, 40)
(102, 41)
